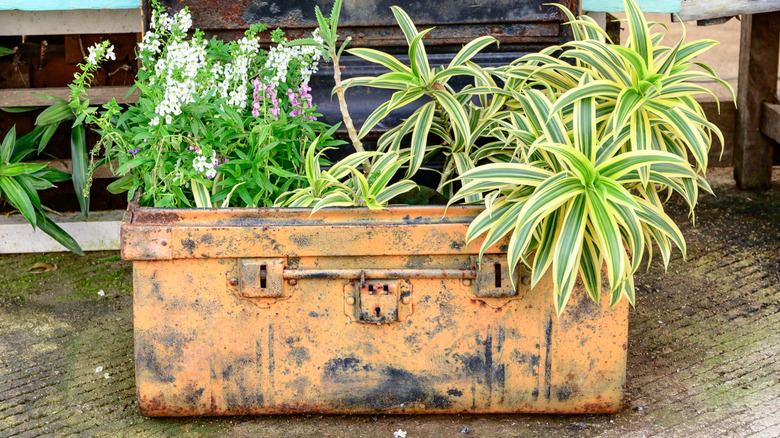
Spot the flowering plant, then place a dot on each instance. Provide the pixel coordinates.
(215, 123)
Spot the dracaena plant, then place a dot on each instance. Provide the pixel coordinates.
(578, 201)
(596, 146)
(343, 185)
(644, 85)
(448, 113)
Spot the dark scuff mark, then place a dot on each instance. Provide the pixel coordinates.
(227, 373)
(259, 369)
(147, 359)
(299, 355)
(547, 356)
(341, 365)
(393, 387)
(302, 241)
(564, 393)
(208, 239)
(489, 365)
(271, 364)
(457, 245)
(313, 314)
(192, 395)
(529, 363)
(189, 245)
(455, 392)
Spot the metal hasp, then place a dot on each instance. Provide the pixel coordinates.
(261, 278)
(493, 279)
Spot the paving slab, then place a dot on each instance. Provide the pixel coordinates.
(704, 343)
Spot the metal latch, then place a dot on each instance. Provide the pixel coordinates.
(378, 301)
(493, 280)
(259, 278)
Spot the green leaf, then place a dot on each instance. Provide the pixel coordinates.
(7, 147)
(609, 239)
(590, 267)
(567, 250)
(381, 58)
(394, 190)
(58, 234)
(122, 184)
(80, 169)
(547, 237)
(16, 195)
(420, 137)
(458, 118)
(621, 164)
(56, 113)
(472, 48)
(418, 59)
(21, 168)
(335, 199)
(201, 194)
(638, 32)
(627, 102)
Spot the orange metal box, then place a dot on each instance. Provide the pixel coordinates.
(268, 311)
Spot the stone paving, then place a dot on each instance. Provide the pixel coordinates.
(703, 350)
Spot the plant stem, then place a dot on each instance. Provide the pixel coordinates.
(447, 169)
(353, 135)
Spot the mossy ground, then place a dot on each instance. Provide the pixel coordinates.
(704, 338)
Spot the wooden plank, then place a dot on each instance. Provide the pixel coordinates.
(666, 6)
(102, 172)
(60, 5)
(705, 9)
(726, 121)
(97, 95)
(83, 21)
(758, 61)
(770, 121)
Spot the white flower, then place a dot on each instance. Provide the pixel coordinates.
(101, 293)
(106, 375)
(399, 434)
(155, 121)
(98, 369)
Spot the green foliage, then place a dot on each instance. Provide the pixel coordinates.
(216, 124)
(594, 147)
(343, 185)
(20, 183)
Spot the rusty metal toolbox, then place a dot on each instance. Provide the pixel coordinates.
(268, 311)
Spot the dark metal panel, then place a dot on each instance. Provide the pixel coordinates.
(370, 22)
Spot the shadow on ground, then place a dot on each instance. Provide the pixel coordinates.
(704, 339)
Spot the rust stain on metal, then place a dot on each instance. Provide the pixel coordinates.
(204, 346)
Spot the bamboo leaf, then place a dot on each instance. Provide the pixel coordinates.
(80, 166)
(58, 234)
